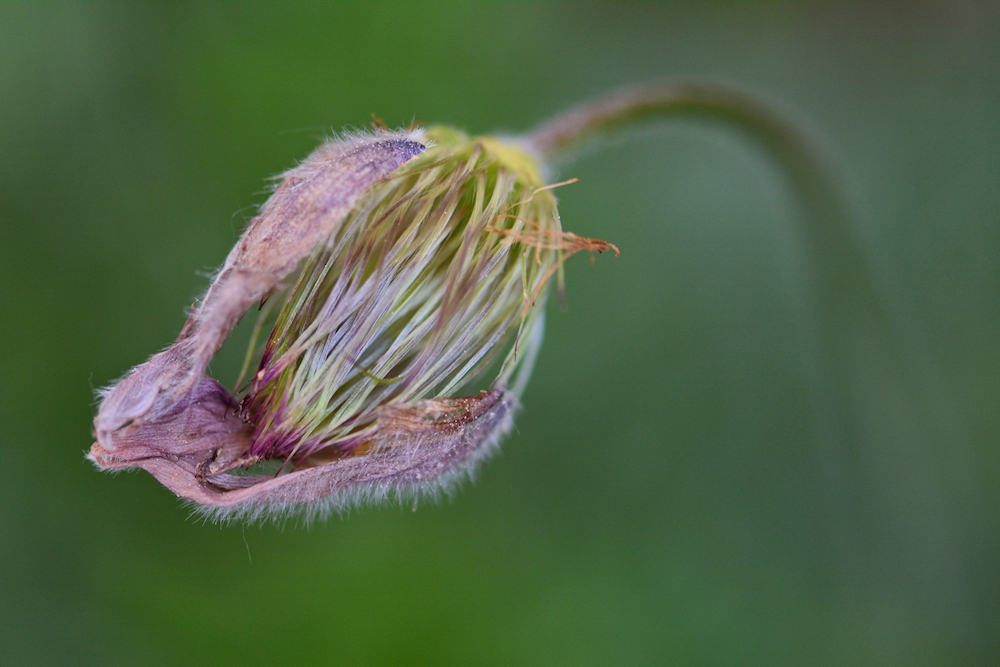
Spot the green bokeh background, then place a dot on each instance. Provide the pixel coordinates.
(670, 496)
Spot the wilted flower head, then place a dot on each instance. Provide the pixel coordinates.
(403, 275)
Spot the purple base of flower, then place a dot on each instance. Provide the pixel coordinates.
(424, 448)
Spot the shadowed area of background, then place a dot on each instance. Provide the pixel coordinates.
(674, 494)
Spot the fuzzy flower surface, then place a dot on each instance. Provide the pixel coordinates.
(402, 276)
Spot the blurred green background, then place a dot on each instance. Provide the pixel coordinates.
(674, 494)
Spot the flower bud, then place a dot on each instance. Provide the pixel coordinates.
(406, 273)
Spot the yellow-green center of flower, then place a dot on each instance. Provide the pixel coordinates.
(433, 286)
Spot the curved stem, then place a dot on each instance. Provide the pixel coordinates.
(839, 264)
(631, 105)
(881, 391)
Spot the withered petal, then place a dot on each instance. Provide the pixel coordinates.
(310, 202)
